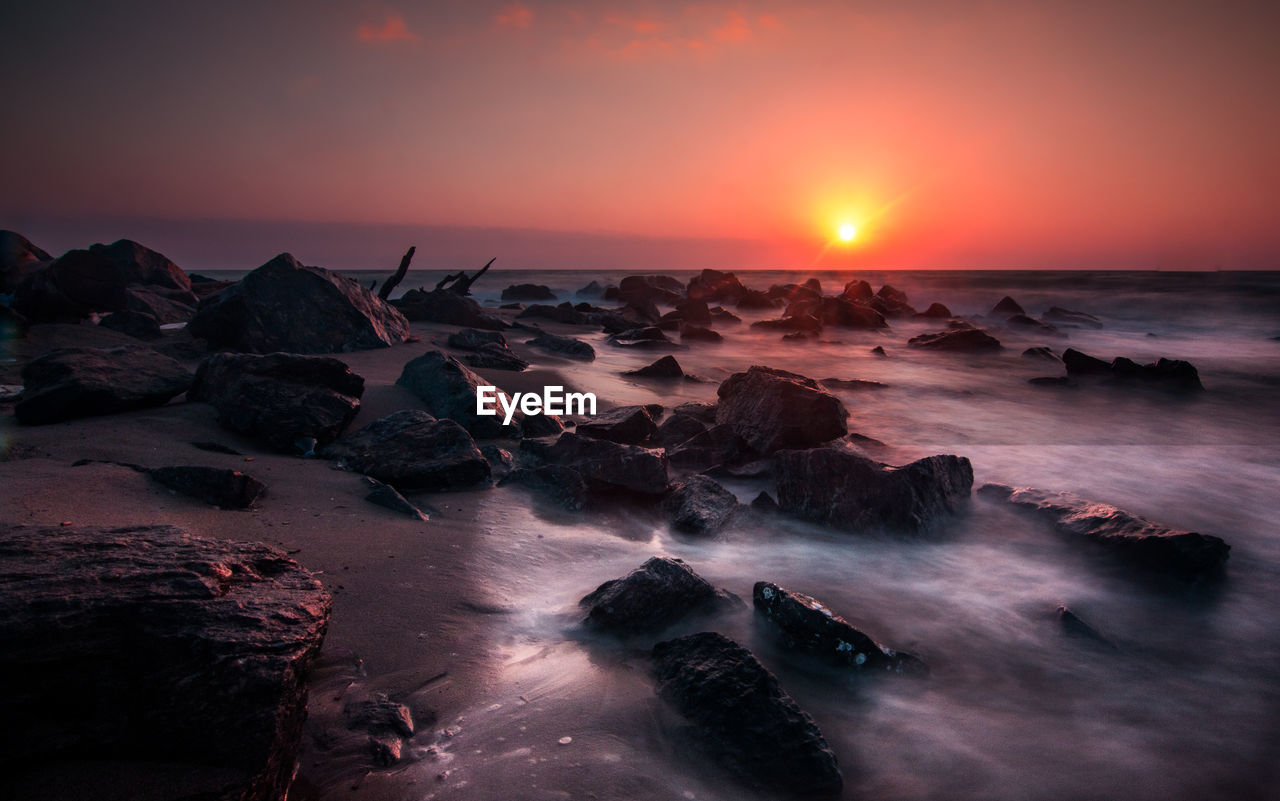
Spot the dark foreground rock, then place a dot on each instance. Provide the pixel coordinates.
(772, 409)
(448, 389)
(627, 424)
(699, 505)
(562, 484)
(610, 466)
(807, 625)
(1153, 546)
(849, 491)
(652, 597)
(83, 382)
(743, 717)
(150, 645)
(410, 449)
(296, 404)
(19, 257)
(229, 489)
(139, 325)
(970, 340)
(287, 306)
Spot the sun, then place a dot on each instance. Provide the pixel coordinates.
(847, 232)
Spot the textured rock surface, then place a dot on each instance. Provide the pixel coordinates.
(19, 257)
(609, 466)
(150, 645)
(448, 389)
(410, 449)
(563, 346)
(964, 339)
(83, 382)
(443, 306)
(229, 489)
(627, 424)
(772, 409)
(652, 597)
(743, 716)
(699, 505)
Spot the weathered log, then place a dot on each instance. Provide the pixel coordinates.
(460, 283)
(394, 281)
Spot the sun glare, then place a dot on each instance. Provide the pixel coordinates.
(847, 232)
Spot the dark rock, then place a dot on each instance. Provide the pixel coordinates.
(287, 306)
(150, 645)
(12, 324)
(1154, 546)
(528, 292)
(858, 291)
(500, 460)
(1042, 353)
(448, 389)
(19, 258)
(844, 313)
(591, 290)
(771, 409)
(679, 428)
(964, 339)
(1007, 305)
(386, 496)
(804, 322)
(716, 446)
(764, 502)
(754, 299)
(715, 287)
(69, 288)
(699, 505)
(165, 309)
(807, 625)
(628, 424)
(936, 311)
(564, 346)
(1073, 626)
(133, 263)
(706, 412)
(562, 484)
(856, 384)
(849, 491)
(139, 325)
(878, 350)
(84, 382)
(1082, 364)
(611, 466)
(496, 357)
(693, 311)
(650, 289)
(443, 306)
(410, 449)
(1168, 374)
(473, 339)
(666, 367)
(1067, 317)
(288, 401)
(217, 447)
(743, 717)
(379, 715)
(892, 302)
(721, 315)
(1032, 324)
(700, 334)
(654, 596)
(563, 313)
(649, 337)
(229, 489)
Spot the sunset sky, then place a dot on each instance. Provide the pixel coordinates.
(949, 134)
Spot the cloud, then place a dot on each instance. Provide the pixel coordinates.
(735, 28)
(515, 15)
(393, 29)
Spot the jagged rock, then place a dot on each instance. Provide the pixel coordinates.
(697, 333)
(858, 291)
(936, 311)
(1042, 353)
(410, 449)
(150, 645)
(1067, 317)
(1185, 554)
(650, 337)
(229, 489)
(1168, 374)
(699, 505)
(496, 357)
(743, 716)
(706, 412)
(771, 409)
(715, 287)
(84, 382)
(717, 445)
(1007, 305)
(287, 306)
(562, 484)
(809, 626)
(166, 310)
(135, 264)
(473, 339)
(293, 403)
(849, 491)
(627, 424)
(878, 350)
(962, 339)
(528, 292)
(443, 306)
(448, 388)
(610, 466)
(1082, 364)
(658, 594)
(388, 497)
(892, 302)
(650, 289)
(764, 502)
(379, 715)
(591, 290)
(1034, 325)
(666, 367)
(564, 346)
(19, 258)
(139, 325)
(679, 428)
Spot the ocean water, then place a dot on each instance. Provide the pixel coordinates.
(1186, 707)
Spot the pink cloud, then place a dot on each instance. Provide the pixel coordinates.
(515, 15)
(735, 28)
(393, 29)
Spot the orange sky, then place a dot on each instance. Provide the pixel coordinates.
(952, 134)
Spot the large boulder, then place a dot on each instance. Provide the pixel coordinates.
(448, 389)
(969, 340)
(528, 292)
(1151, 545)
(611, 466)
(699, 505)
(83, 382)
(175, 659)
(219, 486)
(650, 289)
(443, 306)
(628, 424)
(69, 288)
(1168, 374)
(849, 491)
(133, 263)
(18, 259)
(287, 306)
(715, 287)
(410, 449)
(296, 404)
(743, 716)
(139, 325)
(807, 625)
(772, 409)
(658, 594)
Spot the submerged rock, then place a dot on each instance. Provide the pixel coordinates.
(772, 409)
(1032, 324)
(1008, 305)
(809, 626)
(448, 389)
(475, 339)
(528, 292)
(961, 339)
(849, 491)
(1168, 374)
(1042, 353)
(410, 449)
(562, 484)
(563, 346)
(1154, 546)
(229, 489)
(936, 311)
(83, 382)
(628, 424)
(443, 306)
(666, 367)
(743, 716)
(610, 466)
(1079, 319)
(650, 598)
(699, 505)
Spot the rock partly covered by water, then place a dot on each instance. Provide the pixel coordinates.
(563, 346)
(652, 597)
(1169, 374)
(699, 505)
(610, 466)
(962, 339)
(849, 491)
(666, 367)
(83, 382)
(772, 409)
(1155, 546)
(807, 625)
(443, 306)
(743, 717)
(448, 389)
(149, 645)
(628, 424)
(219, 486)
(1007, 305)
(410, 449)
(528, 292)
(287, 306)
(1067, 317)
(296, 404)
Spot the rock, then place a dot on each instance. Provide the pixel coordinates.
(936, 311)
(892, 302)
(716, 446)
(12, 324)
(666, 367)
(1073, 626)
(1041, 353)
(650, 337)
(679, 428)
(650, 289)
(564, 346)
(149, 645)
(287, 306)
(528, 292)
(591, 290)
(473, 339)
(1067, 317)
(807, 625)
(164, 309)
(69, 288)
(410, 449)
(386, 496)
(448, 389)
(137, 264)
(878, 350)
(849, 491)
(1007, 305)
(699, 505)
(858, 291)
(856, 384)
(715, 287)
(496, 357)
(611, 466)
(139, 325)
(216, 447)
(628, 424)
(965, 339)
(721, 315)
(1154, 546)
(844, 313)
(1082, 364)
(562, 484)
(706, 412)
(84, 382)
(743, 717)
(500, 460)
(19, 258)
(693, 311)
(771, 409)
(379, 715)
(293, 403)
(1168, 374)
(697, 333)
(443, 306)
(804, 322)
(1032, 324)
(563, 313)
(765, 503)
(754, 299)
(654, 596)
(228, 489)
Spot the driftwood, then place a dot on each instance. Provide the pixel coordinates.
(395, 279)
(459, 283)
